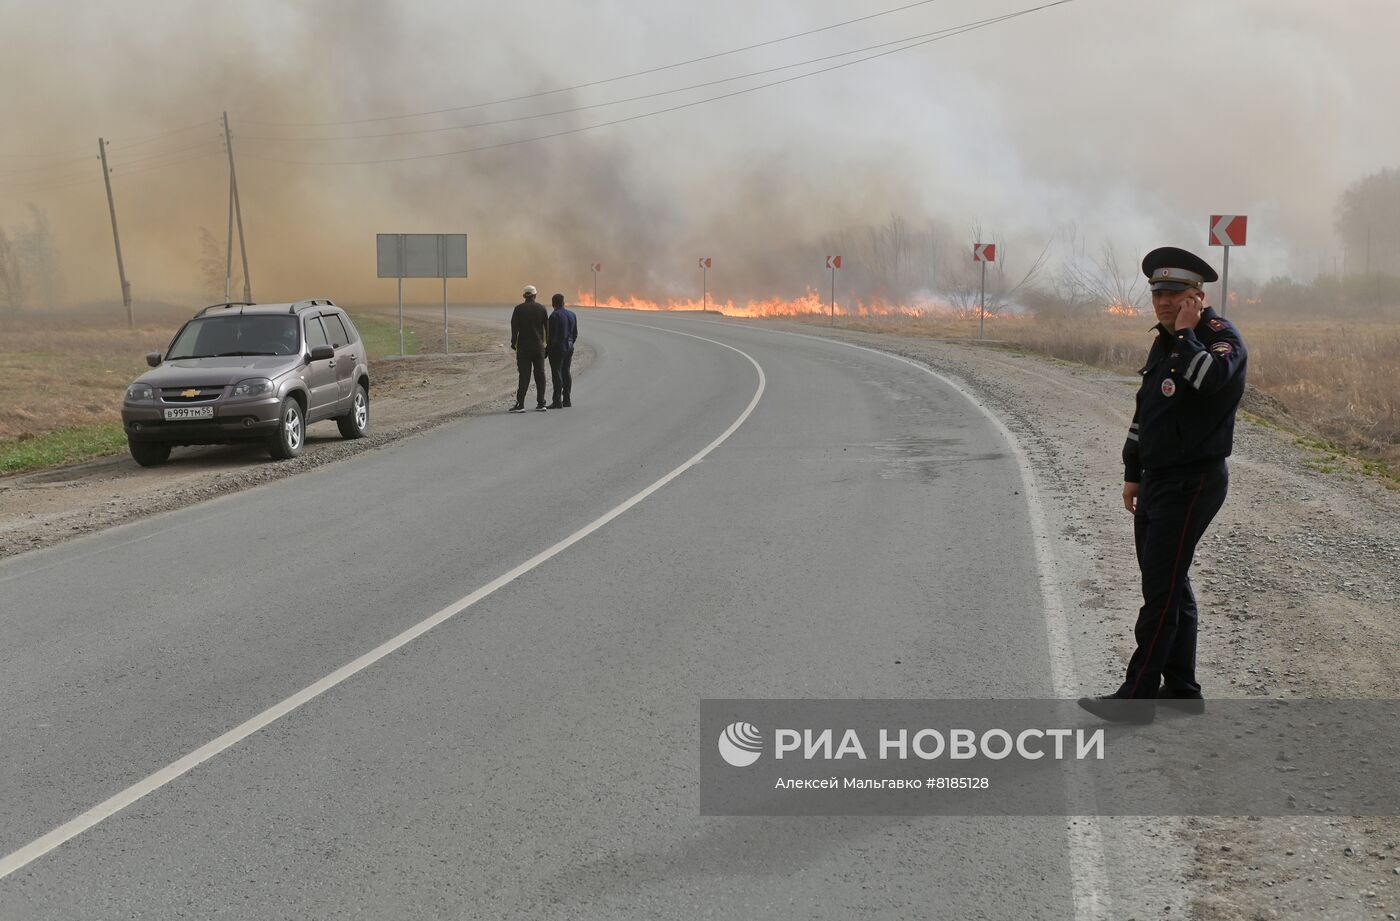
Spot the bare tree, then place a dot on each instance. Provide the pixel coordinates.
(1368, 220)
(211, 265)
(962, 280)
(1100, 283)
(38, 258)
(886, 257)
(11, 274)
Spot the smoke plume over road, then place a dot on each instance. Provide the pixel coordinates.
(1098, 121)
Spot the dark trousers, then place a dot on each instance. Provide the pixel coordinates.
(559, 373)
(526, 364)
(1173, 512)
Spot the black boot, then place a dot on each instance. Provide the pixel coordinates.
(1117, 709)
(1186, 701)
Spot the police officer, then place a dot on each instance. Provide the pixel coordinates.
(1175, 478)
(528, 339)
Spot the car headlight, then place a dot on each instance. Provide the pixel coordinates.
(252, 388)
(140, 393)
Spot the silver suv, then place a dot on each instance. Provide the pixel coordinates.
(250, 372)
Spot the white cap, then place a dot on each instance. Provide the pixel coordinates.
(530, 290)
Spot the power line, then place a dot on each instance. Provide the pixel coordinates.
(63, 159)
(24, 175)
(37, 169)
(953, 32)
(592, 83)
(212, 144)
(118, 171)
(600, 105)
(137, 142)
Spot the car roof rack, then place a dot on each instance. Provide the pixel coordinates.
(311, 302)
(225, 305)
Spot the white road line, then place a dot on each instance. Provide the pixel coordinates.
(111, 806)
(1088, 871)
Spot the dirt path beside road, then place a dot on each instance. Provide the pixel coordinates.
(407, 397)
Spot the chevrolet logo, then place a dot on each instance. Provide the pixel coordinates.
(189, 393)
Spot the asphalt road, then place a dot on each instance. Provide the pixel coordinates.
(863, 533)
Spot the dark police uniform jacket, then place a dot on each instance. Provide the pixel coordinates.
(1191, 386)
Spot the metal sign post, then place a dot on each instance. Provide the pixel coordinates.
(442, 261)
(983, 253)
(596, 267)
(422, 255)
(705, 263)
(398, 244)
(1225, 282)
(1227, 230)
(982, 302)
(833, 263)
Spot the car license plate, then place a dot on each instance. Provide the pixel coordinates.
(189, 412)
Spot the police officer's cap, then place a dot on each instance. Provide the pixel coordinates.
(1171, 269)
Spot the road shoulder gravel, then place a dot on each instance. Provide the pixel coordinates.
(1298, 581)
(407, 397)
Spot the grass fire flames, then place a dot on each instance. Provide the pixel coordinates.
(808, 305)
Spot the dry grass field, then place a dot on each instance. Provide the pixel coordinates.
(1340, 379)
(65, 374)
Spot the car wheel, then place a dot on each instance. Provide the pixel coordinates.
(355, 423)
(148, 454)
(291, 433)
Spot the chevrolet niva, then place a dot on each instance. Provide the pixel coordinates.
(241, 372)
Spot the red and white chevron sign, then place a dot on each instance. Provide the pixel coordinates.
(597, 267)
(706, 262)
(984, 252)
(1228, 229)
(833, 262)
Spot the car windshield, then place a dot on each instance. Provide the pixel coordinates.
(220, 336)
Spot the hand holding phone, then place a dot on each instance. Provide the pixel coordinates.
(1190, 313)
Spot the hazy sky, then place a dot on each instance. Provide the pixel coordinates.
(1128, 120)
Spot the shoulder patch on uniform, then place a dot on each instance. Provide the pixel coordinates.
(1217, 325)
(1168, 387)
(1222, 348)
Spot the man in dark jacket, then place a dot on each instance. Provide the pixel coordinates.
(1175, 478)
(563, 330)
(528, 338)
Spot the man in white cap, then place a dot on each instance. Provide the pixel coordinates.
(528, 338)
(1175, 479)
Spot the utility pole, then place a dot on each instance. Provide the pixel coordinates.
(238, 210)
(116, 238)
(228, 253)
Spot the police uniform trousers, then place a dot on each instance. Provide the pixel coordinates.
(562, 380)
(527, 363)
(1174, 508)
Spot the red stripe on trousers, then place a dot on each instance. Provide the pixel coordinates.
(1171, 592)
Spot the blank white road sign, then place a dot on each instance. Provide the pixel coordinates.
(421, 255)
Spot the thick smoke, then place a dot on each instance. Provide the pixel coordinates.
(1129, 121)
